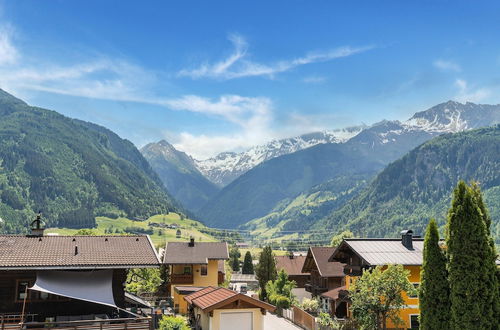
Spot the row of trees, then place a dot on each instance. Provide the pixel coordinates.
(234, 260)
(460, 284)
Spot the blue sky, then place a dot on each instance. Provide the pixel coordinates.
(212, 76)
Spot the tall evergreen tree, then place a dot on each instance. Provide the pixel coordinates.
(265, 270)
(247, 264)
(434, 295)
(471, 262)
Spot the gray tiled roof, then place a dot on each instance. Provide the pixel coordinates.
(387, 251)
(93, 252)
(200, 253)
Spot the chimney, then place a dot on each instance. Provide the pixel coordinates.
(37, 226)
(191, 242)
(290, 254)
(407, 239)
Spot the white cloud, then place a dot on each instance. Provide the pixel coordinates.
(253, 117)
(237, 64)
(467, 94)
(446, 65)
(8, 53)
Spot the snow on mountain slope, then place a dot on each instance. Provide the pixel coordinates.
(227, 166)
(448, 117)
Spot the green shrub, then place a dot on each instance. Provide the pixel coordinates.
(173, 323)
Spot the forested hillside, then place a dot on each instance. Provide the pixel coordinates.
(69, 170)
(418, 186)
(179, 175)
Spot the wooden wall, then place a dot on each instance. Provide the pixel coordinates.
(60, 306)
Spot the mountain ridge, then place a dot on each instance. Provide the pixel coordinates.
(380, 143)
(71, 170)
(179, 174)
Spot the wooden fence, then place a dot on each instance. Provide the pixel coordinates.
(303, 319)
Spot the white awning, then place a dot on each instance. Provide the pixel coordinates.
(93, 286)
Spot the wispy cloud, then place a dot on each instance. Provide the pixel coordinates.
(8, 53)
(468, 94)
(314, 80)
(447, 65)
(238, 64)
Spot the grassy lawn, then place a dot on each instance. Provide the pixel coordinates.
(160, 235)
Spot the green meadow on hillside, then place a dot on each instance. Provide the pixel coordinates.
(152, 226)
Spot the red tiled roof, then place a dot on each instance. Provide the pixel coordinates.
(210, 298)
(292, 266)
(319, 256)
(82, 252)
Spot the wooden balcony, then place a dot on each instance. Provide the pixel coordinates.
(181, 279)
(314, 289)
(352, 270)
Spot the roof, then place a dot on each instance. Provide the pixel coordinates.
(136, 300)
(212, 298)
(317, 257)
(184, 290)
(245, 278)
(200, 253)
(333, 294)
(292, 266)
(385, 251)
(76, 252)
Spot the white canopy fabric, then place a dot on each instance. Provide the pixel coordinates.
(93, 286)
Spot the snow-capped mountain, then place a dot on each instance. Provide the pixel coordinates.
(448, 117)
(227, 166)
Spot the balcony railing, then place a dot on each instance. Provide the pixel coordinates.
(144, 323)
(182, 278)
(315, 289)
(352, 270)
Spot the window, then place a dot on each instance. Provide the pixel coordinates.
(187, 270)
(34, 296)
(416, 286)
(204, 270)
(22, 285)
(414, 322)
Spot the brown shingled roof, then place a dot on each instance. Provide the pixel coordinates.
(333, 294)
(200, 253)
(93, 252)
(317, 257)
(292, 266)
(212, 298)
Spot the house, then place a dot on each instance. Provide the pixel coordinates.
(249, 279)
(214, 308)
(292, 265)
(62, 278)
(326, 280)
(365, 253)
(193, 265)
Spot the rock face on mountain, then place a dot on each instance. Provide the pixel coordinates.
(272, 186)
(411, 190)
(179, 174)
(227, 166)
(70, 170)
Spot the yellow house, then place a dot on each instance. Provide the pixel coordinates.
(223, 309)
(193, 265)
(364, 253)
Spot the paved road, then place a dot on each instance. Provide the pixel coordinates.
(272, 322)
